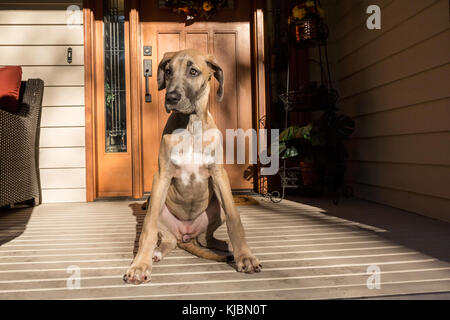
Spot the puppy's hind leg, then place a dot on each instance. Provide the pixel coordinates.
(167, 244)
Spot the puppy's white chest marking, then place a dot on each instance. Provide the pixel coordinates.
(188, 170)
(191, 163)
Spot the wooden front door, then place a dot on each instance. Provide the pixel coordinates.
(228, 39)
(123, 130)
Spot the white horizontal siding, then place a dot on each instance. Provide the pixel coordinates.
(394, 83)
(40, 55)
(64, 195)
(399, 66)
(50, 158)
(37, 34)
(60, 4)
(62, 137)
(62, 117)
(401, 93)
(351, 10)
(433, 117)
(14, 17)
(56, 75)
(422, 179)
(434, 149)
(63, 96)
(62, 178)
(402, 21)
(437, 208)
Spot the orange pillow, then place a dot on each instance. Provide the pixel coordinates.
(10, 80)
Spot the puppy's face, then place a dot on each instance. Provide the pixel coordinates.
(186, 75)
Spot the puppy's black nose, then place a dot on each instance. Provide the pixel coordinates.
(173, 97)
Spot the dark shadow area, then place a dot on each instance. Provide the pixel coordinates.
(139, 212)
(13, 222)
(428, 236)
(424, 296)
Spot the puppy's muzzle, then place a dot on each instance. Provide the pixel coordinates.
(173, 97)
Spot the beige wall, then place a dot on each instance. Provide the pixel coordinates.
(35, 35)
(395, 82)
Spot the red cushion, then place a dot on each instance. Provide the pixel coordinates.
(10, 79)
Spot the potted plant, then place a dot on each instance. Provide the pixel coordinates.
(306, 21)
(304, 144)
(319, 147)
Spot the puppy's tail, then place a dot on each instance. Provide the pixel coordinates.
(145, 204)
(194, 248)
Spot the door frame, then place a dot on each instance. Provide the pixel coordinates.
(91, 26)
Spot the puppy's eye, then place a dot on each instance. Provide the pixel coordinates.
(168, 72)
(193, 72)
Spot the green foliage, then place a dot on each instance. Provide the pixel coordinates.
(109, 96)
(320, 141)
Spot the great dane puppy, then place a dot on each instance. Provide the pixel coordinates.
(190, 199)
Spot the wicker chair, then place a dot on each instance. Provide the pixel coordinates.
(19, 147)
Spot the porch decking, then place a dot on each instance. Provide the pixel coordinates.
(309, 250)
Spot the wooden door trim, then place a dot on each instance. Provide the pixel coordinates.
(93, 65)
(89, 96)
(259, 50)
(136, 112)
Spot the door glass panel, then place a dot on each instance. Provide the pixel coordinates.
(114, 61)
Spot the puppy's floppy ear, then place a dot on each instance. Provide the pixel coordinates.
(161, 69)
(218, 74)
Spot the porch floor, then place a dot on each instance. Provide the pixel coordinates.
(310, 249)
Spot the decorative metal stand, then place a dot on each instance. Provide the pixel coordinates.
(309, 33)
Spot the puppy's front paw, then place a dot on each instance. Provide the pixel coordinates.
(248, 263)
(137, 274)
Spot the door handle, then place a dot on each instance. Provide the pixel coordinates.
(148, 96)
(147, 73)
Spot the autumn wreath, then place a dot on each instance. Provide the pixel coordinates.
(193, 9)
